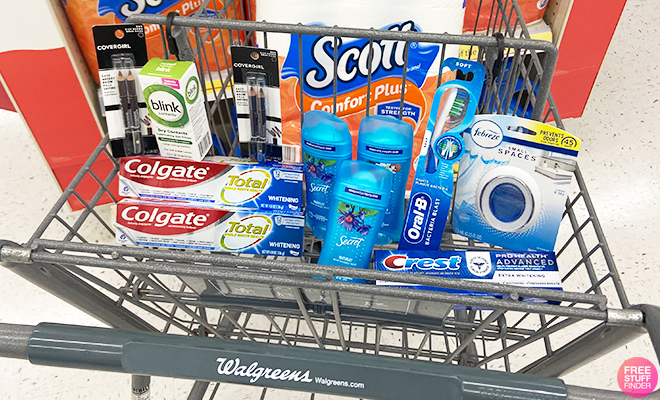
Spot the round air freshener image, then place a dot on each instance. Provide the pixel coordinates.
(508, 199)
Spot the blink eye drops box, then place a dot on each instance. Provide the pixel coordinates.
(184, 225)
(527, 269)
(218, 181)
(176, 107)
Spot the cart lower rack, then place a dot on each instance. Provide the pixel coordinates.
(269, 322)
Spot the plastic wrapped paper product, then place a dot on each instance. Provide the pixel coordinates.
(387, 64)
(83, 14)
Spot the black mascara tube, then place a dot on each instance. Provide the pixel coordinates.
(257, 117)
(136, 131)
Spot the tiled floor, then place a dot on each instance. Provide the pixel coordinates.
(620, 161)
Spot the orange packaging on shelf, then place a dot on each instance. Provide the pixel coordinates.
(83, 14)
(532, 10)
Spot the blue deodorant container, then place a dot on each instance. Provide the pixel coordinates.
(326, 142)
(359, 199)
(388, 142)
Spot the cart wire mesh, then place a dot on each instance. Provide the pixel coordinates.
(279, 300)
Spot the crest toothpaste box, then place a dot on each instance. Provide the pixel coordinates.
(188, 226)
(176, 108)
(217, 181)
(528, 269)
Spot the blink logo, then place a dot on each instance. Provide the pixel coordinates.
(417, 219)
(166, 105)
(162, 106)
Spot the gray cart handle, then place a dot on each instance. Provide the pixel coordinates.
(282, 367)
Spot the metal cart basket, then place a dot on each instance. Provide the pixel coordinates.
(267, 322)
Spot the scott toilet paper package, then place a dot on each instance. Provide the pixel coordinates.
(387, 64)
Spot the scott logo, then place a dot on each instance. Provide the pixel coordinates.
(401, 262)
(387, 61)
(246, 232)
(127, 8)
(164, 171)
(354, 60)
(417, 218)
(163, 218)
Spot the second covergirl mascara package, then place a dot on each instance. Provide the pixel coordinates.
(257, 96)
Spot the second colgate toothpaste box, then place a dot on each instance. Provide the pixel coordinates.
(217, 181)
(189, 226)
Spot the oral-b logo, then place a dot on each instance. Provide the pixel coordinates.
(163, 218)
(164, 171)
(401, 262)
(417, 219)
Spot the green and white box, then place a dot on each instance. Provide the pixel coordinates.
(173, 95)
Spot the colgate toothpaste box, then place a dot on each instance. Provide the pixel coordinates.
(219, 181)
(529, 269)
(191, 226)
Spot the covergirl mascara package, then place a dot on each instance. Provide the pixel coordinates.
(257, 96)
(121, 52)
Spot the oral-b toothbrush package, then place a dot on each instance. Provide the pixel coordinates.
(257, 97)
(453, 108)
(513, 181)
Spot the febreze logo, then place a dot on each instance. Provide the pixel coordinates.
(246, 186)
(246, 232)
(401, 262)
(417, 218)
(387, 65)
(166, 105)
(486, 134)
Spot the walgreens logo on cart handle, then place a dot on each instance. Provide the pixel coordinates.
(255, 372)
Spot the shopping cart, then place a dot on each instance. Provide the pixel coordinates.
(267, 322)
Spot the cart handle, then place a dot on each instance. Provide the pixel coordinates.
(283, 367)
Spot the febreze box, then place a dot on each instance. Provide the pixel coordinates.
(217, 180)
(528, 269)
(188, 226)
(176, 108)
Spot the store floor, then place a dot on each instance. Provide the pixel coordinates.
(620, 161)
